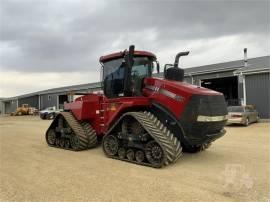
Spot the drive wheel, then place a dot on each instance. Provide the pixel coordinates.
(51, 137)
(122, 153)
(139, 156)
(154, 153)
(110, 145)
(130, 154)
(75, 142)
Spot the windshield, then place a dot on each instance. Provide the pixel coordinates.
(113, 75)
(236, 109)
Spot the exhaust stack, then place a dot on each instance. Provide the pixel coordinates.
(175, 73)
(245, 57)
(177, 57)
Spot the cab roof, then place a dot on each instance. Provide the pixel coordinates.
(122, 53)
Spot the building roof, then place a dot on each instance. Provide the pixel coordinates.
(257, 63)
(81, 87)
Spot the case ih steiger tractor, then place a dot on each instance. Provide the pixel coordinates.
(141, 119)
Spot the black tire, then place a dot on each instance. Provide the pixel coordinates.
(257, 119)
(246, 122)
(43, 116)
(50, 116)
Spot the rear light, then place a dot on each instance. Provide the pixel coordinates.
(236, 115)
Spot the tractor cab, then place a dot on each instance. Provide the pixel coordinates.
(124, 72)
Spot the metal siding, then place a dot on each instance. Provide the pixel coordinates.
(32, 101)
(257, 91)
(10, 106)
(44, 102)
(2, 107)
(188, 80)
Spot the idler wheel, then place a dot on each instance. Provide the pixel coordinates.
(154, 153)
(139, 156)
(110, 145)
(51, 137)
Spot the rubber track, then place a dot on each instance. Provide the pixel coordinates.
(160, 133)
(86, 134)
(91, 134)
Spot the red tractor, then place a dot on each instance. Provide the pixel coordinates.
(141, 119)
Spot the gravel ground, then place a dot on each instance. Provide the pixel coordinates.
(235, 168)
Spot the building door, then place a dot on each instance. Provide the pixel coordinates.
(227, 85)
(61, 100)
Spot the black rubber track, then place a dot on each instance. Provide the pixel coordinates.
(86, 135)
(91, 134)
(159, 132)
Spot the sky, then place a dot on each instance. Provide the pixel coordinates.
(52, 43)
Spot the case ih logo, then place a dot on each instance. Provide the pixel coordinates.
(166, 93)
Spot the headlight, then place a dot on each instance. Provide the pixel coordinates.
(202, 118)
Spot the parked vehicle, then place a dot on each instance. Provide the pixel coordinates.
(49, 113)
(25, 109)
(242, 115)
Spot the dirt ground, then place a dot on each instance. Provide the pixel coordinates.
(235, 168)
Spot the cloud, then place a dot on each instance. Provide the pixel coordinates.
(62, 37)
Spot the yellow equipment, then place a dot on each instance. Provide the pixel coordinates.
(23, 110)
